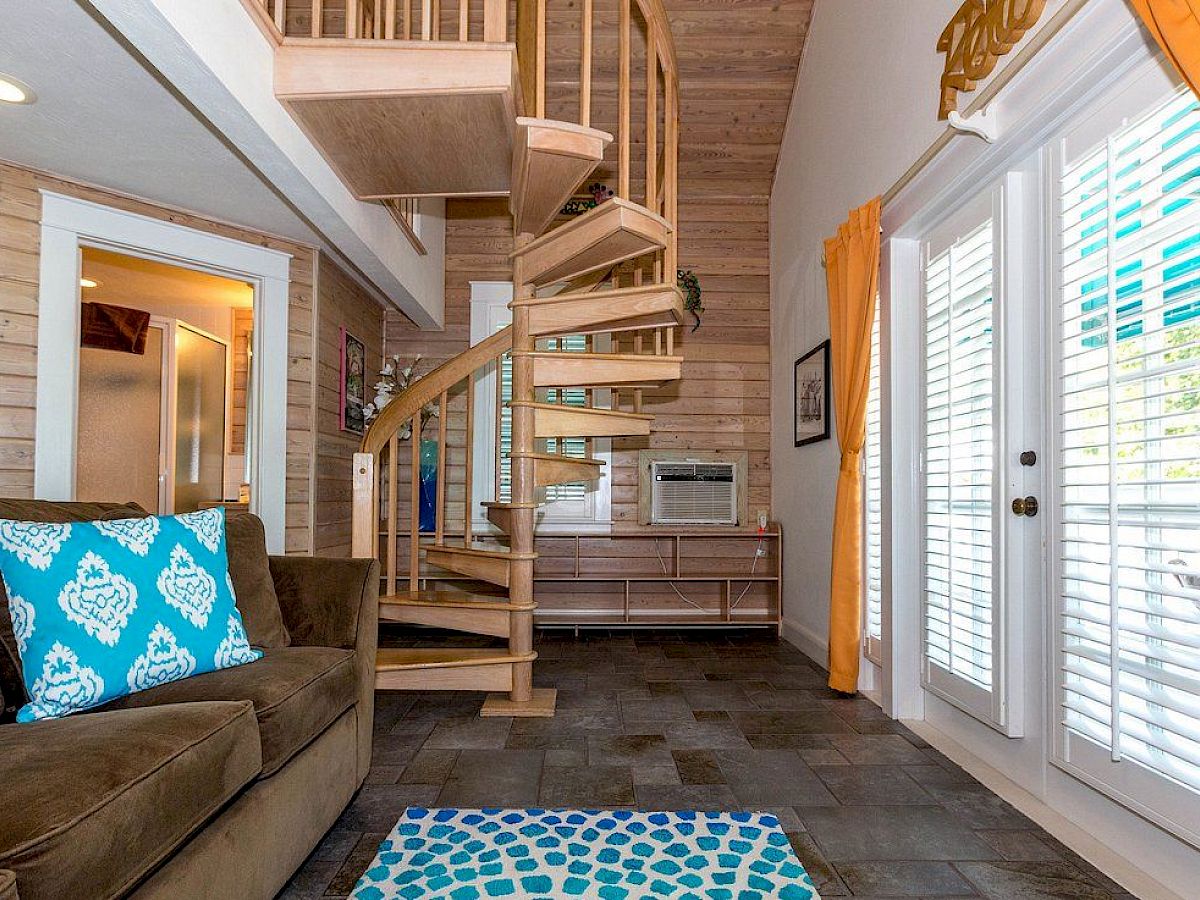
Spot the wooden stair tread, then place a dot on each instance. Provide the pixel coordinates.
(558, 457)
(550, 160)
(479, 552)
(552, 369)
(553, 420)
(612, 232)
(553, 468)
(487, 565)
(394, 659)
(603, 311)
(451, 600)
(589, 410)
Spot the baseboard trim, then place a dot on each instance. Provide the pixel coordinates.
(1117, 867)
(807, 642)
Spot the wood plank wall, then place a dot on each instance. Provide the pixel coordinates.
(20, 215)
(341, 303)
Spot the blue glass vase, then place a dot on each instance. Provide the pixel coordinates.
(429, 468)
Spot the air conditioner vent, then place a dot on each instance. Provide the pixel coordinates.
(685, 493)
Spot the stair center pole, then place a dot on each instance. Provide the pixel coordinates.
(524, 489)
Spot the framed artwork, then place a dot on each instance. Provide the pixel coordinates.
(812, 395)
(352, 385)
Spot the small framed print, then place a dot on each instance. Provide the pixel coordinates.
(811, 387)
(353, 386)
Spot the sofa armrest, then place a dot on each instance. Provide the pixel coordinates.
(327, 602)
(8, 885)
(335, 603)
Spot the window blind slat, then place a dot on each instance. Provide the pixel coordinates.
(959, 458)
(1129, 353)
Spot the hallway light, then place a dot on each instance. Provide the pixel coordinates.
(14, 91)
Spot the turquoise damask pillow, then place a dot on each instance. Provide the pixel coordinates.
(104, 609)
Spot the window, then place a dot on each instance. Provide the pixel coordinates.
(583, 505)
(1129, 445)
(961, 564)
(873, 509)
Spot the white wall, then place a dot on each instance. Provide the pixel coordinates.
(864, 109)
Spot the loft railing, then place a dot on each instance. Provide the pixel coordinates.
(407, 20)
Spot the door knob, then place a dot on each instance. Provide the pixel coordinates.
(1028, 458)
(1025, 506)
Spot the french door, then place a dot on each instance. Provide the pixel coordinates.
(979, 455)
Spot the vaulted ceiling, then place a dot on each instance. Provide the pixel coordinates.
(737, 66)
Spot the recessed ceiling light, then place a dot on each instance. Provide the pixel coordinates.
(88, 283)
(14, 91)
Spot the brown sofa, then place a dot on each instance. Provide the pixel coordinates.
(217, 786)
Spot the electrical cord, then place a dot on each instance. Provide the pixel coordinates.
(688, 600)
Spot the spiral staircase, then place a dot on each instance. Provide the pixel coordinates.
(359, 76)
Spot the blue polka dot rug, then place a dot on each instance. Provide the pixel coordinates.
(478, 854)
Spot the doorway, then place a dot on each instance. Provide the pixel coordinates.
(162, 412)
(71, 227)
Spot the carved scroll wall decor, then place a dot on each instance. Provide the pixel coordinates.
(979, 34)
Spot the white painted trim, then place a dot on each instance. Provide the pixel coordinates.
(806, 641)
(68, 224)
(1117, 867)
(900, 353)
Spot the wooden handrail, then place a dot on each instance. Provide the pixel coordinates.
(428, 389)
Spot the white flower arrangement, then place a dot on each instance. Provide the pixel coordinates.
(394, 380)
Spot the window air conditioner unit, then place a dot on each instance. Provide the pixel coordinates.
(693, 493)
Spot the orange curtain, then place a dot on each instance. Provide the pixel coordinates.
(1175, 24)
(852, 273)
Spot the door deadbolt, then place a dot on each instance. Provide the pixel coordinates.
(1025, 506)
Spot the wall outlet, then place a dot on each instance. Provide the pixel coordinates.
(762, 520)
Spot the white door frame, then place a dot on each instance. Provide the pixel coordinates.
(69, 224)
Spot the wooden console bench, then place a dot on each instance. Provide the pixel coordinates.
(653, 576)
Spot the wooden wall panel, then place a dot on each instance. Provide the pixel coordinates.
(20, 214)
(341, 303)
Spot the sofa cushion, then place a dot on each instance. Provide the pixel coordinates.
(93, 803)
(250, 569)
(297, 693)
(13, 685)
(104, 609)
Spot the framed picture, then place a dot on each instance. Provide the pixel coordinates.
(352, 384)
(812, 395)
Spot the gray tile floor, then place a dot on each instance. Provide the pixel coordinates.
(726, 721)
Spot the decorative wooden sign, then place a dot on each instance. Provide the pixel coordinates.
(979, 34)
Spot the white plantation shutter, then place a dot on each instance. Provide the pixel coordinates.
(959, 462)
(576, 448)
(873, 509)
(584, 505)
(1129, 423)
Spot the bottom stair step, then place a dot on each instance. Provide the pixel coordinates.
(449, 669)
(472, 613)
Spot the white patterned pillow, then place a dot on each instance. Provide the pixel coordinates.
(103, 609)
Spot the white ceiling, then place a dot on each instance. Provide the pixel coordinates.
(102, 117)
(132, 281)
